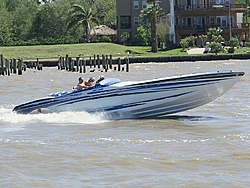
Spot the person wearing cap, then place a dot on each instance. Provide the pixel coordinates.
(81, 84)
(90, 82)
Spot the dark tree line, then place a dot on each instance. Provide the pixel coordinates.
(33, 22)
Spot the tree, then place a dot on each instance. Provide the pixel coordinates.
(203, 39)
(185, 43)
(48, 22)
(163, 33)
(192, 39)
(79, 16)
(214, 35)
(150, 14)
(142, 35)
(5, 27)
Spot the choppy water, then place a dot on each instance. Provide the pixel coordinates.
(204, 147)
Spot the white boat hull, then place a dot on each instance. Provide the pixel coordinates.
(149, 98)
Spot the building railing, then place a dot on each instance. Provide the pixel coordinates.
(209, 7)
(203, 27)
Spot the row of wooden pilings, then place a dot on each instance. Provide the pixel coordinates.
(16, 66)
(103, 63)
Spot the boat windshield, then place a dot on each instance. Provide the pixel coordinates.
(110, 81)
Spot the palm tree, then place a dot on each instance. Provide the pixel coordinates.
(150, 14)
(79, 16)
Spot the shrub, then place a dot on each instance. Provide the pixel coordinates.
(215, 47)
(231, 50)
(233, 42)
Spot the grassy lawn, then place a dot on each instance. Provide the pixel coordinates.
(86, 50)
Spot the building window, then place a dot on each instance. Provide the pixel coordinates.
(136, 4)
(212, 20)
(144, 4)
(125, 22)
(136, 20)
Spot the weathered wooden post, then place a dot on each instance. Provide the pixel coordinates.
(127, 64)
(94, 61)
(1, 64)
(98, 62)
(107, 63)
(80, 70)
(90, 62)
(119, 64)
(103, 61)
(37, 64)
(59, 65)
(40, 66)
(11, 66)
(84, 66)
(7, 67)
(14, 66)
(72, 65)
(67, 62)
(77, 64)
(19, 66)
(24, 66)
(110, 62)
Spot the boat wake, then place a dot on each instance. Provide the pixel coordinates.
(7, 116)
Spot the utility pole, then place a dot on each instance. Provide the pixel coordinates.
(230, 24)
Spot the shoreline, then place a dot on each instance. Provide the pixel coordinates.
(54, 62)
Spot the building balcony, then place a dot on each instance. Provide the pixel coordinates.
(215, 9)
(198, 29)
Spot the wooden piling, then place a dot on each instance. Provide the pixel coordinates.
(19, 66)
(24, 67)
(84, 66)
(80, 68)
(94, 61)
(67, 62)
(119, 64)
(98, 62)
(14, 66)
(1, 64)
(59, 65)
(37, 64)
(127, 64)
(7, 67)
(110, 62)
(90, 62)
(77, 64)
(103, 62)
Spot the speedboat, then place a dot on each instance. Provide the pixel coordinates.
(139, 99)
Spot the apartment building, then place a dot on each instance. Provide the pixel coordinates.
(195, 17)
(187, 17)
(128, 18)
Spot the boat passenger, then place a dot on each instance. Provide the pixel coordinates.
(90, 82)
(81, 84)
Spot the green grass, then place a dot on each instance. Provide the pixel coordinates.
(88, 49)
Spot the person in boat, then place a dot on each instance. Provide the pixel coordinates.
(90, 82)
(81, 84)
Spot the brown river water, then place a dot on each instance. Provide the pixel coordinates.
(204, 147)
